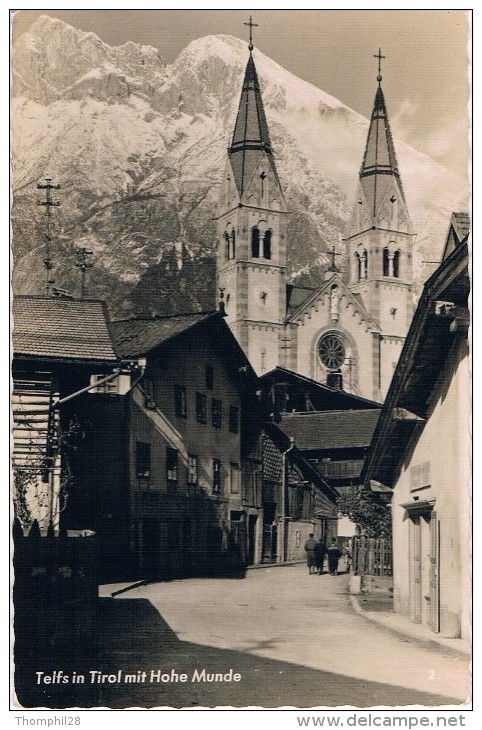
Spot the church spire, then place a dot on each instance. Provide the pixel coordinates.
(379, 165)
(251, 136)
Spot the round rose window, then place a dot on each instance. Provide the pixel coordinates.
(332, 351)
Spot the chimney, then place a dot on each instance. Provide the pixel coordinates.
(221, 307)
(335, 380)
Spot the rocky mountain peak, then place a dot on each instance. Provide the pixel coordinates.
(139, 148)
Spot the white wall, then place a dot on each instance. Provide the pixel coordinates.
(445, 444)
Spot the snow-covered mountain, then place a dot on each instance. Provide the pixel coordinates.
(139, 146)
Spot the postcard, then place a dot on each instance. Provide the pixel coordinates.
(241, 361)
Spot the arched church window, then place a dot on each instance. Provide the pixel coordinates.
(332, 351)
(267, 245)
(385, 262)
(255, 243)
(364, 264)
(396, 264)
(357, 267)
(232, 245)
(226, 240)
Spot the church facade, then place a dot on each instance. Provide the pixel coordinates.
(348, 332)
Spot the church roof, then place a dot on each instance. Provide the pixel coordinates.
(251, 140)
(331, 429)
(296, 295)
(379, 164)
(62, 329)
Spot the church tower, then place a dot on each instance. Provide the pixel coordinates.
(379, 245)
(251, 232)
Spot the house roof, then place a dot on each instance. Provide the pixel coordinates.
(62, 329)
(139, 336)
(282, 442)
(424, 354)
(323, 397)
(457, 234)
(330, 429)
(134, 337)
(461, 224)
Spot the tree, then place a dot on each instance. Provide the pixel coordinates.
(41, 482)
(371, 515)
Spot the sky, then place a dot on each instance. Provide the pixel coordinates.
(425, 74)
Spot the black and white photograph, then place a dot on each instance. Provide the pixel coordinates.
(241, 360)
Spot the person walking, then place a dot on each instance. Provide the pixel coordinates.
(310, 553)
(333, 557)
(319, 556)
(347, 553)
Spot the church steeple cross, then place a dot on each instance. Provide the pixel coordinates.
(251, 26)
(379, 56)
(333, 253)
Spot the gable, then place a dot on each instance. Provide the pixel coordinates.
(343, 292)
(256, 163)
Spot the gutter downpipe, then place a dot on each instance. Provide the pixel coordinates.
(113, 375)
(283, 499)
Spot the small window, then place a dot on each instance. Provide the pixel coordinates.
(201, 408)
(233, 419)
(209, 377)
(216, 476)
(109, 387)
(192, 470)
(396, 264)
(234, 478)
(180, 401)
(171, 468)
(148, 388)
(385, 262)
(267, 245)
(143, 460)
(255, 243)
(217, 413)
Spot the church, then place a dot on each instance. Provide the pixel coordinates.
(347, 333)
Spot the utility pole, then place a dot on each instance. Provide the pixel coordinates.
(83, 264)
(48, 186)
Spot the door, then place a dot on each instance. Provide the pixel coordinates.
(270, 536)
(251, 539)
(434, 573)
(150, 546)
(415, 570)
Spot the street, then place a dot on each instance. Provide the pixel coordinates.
(293, 638)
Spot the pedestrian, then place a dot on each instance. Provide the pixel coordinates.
(347, 559)
(310, 553)
(333, 557)
(319, 556)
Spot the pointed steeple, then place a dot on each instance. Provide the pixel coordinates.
(379, 161)
(251, 139)
(380, 190)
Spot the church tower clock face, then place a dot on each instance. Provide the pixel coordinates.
(331, 350)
